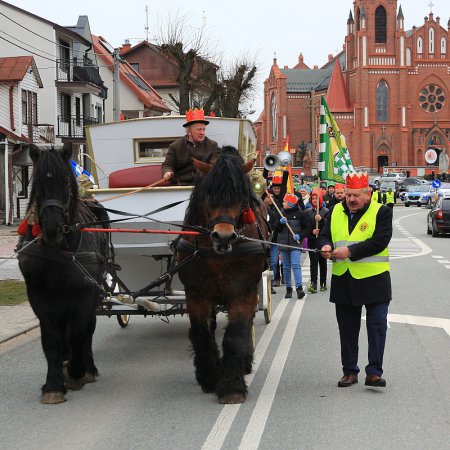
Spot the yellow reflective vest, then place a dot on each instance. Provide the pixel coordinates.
(364, 229)
(390, 198)
(374, 197)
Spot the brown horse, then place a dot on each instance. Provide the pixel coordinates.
(226, 273)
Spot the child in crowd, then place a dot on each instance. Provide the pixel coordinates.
(291, 257)
(316, 219)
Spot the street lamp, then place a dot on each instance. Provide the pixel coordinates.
(302, 175)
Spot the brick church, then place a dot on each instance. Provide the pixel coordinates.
(389, 91)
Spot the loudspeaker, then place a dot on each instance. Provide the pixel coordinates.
(271, 162)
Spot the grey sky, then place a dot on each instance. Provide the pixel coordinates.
(314, 28)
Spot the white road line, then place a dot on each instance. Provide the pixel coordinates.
(437, 257)
(447, 267)
(443, 261)
(220, 429)
(255, 427)
(420, 320)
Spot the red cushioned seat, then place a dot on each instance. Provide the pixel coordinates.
(139, 176)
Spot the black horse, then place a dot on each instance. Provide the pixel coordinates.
(61, 270)
(226, 272)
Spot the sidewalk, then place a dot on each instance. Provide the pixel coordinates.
(18, 319)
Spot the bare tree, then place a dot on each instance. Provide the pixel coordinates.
(187, 47)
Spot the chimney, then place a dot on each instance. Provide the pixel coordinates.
(300, 58)
(286, 67)
(330, 57)
(125, 47)
(316, 67)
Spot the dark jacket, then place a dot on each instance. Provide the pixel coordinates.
(348, 290)
(297, 220)
(179, 159)
(310, 215)
(274, 215)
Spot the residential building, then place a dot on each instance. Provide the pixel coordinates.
(137, 97)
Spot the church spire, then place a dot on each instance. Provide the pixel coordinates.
(337, 95)
(400, 13)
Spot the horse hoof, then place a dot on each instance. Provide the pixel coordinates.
(89, 377)
(232, 399)
(75, 385)
(52, 398)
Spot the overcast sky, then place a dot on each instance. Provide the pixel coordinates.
(255, 28)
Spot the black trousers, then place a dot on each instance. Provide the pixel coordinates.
(316, 260)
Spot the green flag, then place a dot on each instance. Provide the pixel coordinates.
(334, 159)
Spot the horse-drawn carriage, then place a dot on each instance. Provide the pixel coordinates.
(121, 154)
(219, 259)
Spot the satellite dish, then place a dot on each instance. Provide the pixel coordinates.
(430, 156)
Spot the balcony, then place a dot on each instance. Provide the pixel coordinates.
(73, 127)
(76, 77)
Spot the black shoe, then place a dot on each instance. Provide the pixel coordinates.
(375, 381)
(288, 293)
(300, 293)
(348, 379)
(272, 290)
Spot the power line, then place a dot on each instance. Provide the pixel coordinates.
(27, 50)
(49, 40)
(29, 45)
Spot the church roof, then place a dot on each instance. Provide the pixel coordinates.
(302, 80)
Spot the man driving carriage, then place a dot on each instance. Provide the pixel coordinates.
(178, 167)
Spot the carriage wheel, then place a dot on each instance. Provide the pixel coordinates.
(267, 297)
(123, 320)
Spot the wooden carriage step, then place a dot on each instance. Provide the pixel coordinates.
(137, 177)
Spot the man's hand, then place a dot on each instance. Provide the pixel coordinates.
(316, 231)
(168, 176)
(342, 253)
(317, 217)
(326, 251)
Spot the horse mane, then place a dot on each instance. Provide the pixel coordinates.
(51, 160)
(224, 186)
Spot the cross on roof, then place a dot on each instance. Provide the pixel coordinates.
(431, 5)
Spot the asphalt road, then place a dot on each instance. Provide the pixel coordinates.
(147, 397)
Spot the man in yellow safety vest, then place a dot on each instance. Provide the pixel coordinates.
(356, 236)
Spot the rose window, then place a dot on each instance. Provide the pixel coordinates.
(432, 98)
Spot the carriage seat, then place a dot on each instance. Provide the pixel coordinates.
(139, 176)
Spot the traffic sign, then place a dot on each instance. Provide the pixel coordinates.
(436, 184)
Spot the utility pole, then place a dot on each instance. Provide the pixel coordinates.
(116, 86)
(146, 23)
(312, 104)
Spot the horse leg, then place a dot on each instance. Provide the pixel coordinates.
(206, 352)
(91, 369)
(54, 389)
(236, 361)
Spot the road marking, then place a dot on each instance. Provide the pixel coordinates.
(257, 423)
(223, 423)
(443, 261)
(447, 267)
(422, 321)
(437, 257)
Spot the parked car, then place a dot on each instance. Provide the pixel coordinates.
(419, 195)
(438, 219)
(392, 176)
(411, 181)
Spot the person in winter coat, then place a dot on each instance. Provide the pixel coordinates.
(356, 236)
(316, 220)
(275, 194)
(291, 257)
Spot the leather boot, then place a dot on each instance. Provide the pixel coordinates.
(288, 293)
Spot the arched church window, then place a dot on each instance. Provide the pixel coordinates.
(419, 45)
(432, 98)
(358, 18)
(382, 101)
(274, 114)
(431, 40)
(443, 45)
(408, 56)
(380, 25)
